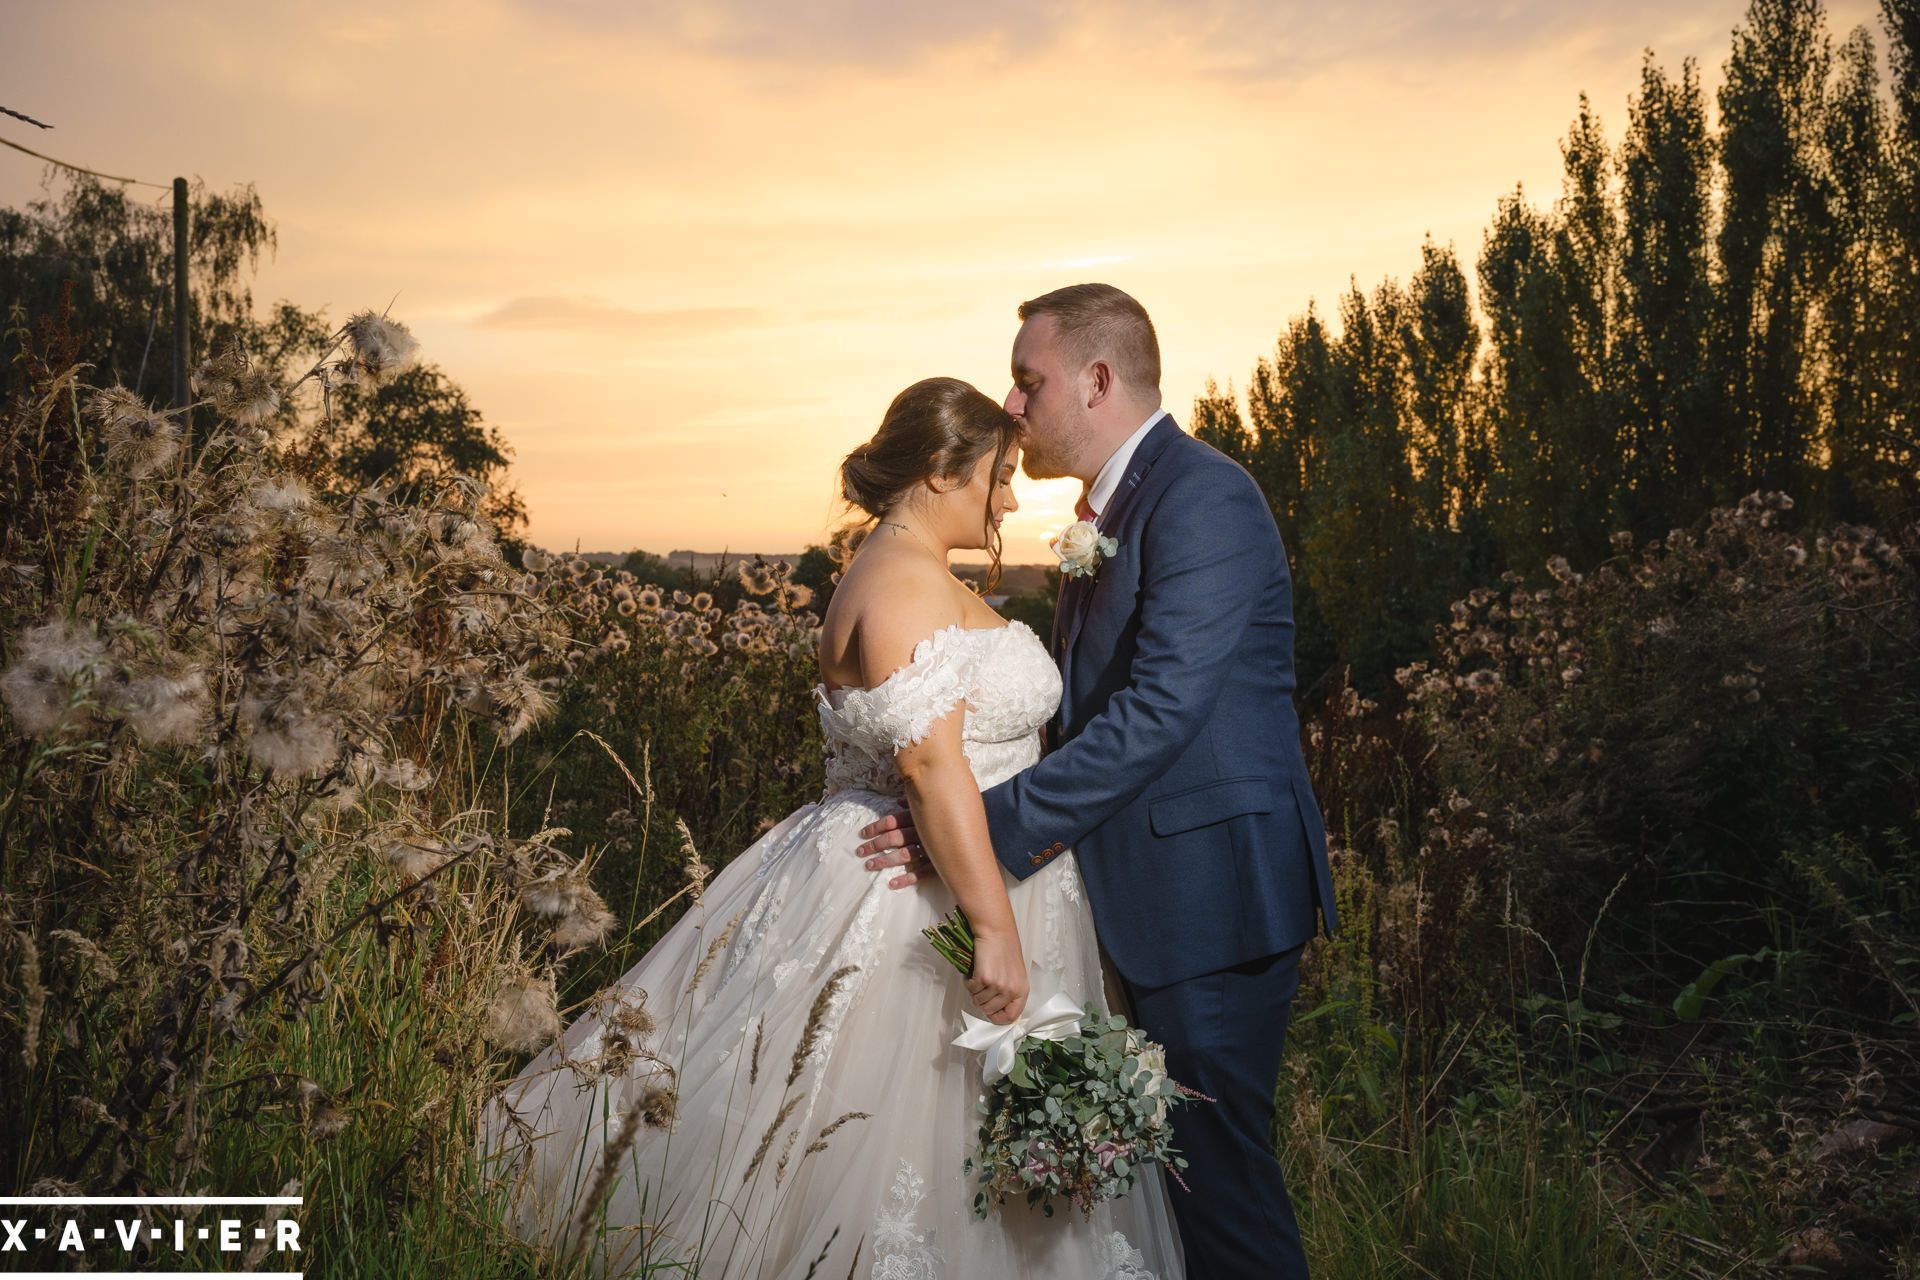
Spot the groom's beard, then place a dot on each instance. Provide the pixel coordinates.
(1051, 457)
(1039, 468)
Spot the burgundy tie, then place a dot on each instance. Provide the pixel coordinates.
(1082, 509)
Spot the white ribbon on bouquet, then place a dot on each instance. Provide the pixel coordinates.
(1056, 1018)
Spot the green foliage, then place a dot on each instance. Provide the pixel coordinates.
(1081, 1119)
(818, 570)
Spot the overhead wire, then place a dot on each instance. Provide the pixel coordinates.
(77, 168)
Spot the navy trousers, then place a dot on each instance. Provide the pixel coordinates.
(1223, 1033)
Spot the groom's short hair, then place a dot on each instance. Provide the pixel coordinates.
(1100, 322)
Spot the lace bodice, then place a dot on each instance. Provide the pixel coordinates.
(1005, 677)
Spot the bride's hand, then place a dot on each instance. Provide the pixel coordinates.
(999, 979)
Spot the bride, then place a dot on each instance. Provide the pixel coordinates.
(772, 1090)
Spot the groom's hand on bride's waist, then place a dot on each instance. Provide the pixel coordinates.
(893, 842)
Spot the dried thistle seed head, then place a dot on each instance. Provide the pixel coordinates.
(161, 708)
(523, 1014)
(381, 347)
(114, 405)
(454, 529)
(758, 578)
(216, 372)
(616, 1056)
(552, 894)
(248, 395)
(318, 1113)
(19, 574)
(585, 926)
(137, 438)
(522, 700)
(630, 1016)
(289, 728)
(51, 684)
(306, 621)
(413, 858)
(404, 774)
(282, 494)
(659, 1106)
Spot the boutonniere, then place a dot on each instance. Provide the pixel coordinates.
(1081, 547)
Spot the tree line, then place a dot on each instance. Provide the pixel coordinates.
(1707, 308)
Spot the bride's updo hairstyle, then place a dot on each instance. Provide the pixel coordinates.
(936, 427)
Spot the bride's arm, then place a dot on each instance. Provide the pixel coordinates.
(951, 819)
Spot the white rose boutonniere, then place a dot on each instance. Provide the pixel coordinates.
(1081, 547)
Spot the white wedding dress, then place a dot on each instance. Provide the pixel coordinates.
(761, 1164)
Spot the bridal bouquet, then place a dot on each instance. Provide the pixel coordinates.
(1076, 1103)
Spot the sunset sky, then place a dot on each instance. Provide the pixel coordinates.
(684, 255)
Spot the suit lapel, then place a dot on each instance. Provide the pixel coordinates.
(1064, 601)
(1079, 601)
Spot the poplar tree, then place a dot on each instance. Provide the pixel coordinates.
(1770, 112)
(1853, 331)
(1678, 451)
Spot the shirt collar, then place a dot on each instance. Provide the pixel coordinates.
(1104, 484)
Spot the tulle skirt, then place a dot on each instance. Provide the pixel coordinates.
(772, 1092)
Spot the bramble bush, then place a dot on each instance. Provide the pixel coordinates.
(1626, 888)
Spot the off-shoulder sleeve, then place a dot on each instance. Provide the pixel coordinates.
(902, 709)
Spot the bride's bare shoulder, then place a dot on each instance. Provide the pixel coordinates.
(886, 603)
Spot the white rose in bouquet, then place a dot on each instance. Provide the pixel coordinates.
(1153, 1060)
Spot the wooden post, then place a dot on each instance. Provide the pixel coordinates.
(181, 320)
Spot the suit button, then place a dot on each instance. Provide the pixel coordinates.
(1059, 848)
(1037, 859)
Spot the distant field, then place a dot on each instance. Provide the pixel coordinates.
(1014, 578)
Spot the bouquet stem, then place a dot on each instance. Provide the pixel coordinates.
(953, 939)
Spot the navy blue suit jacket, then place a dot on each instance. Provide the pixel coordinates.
(1176, 776)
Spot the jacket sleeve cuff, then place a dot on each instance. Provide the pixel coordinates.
(1021, 852)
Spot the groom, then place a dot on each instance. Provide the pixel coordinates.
(1176, 775)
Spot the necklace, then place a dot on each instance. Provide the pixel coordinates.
(916, 537)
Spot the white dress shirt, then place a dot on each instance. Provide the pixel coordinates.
(1101, 493)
